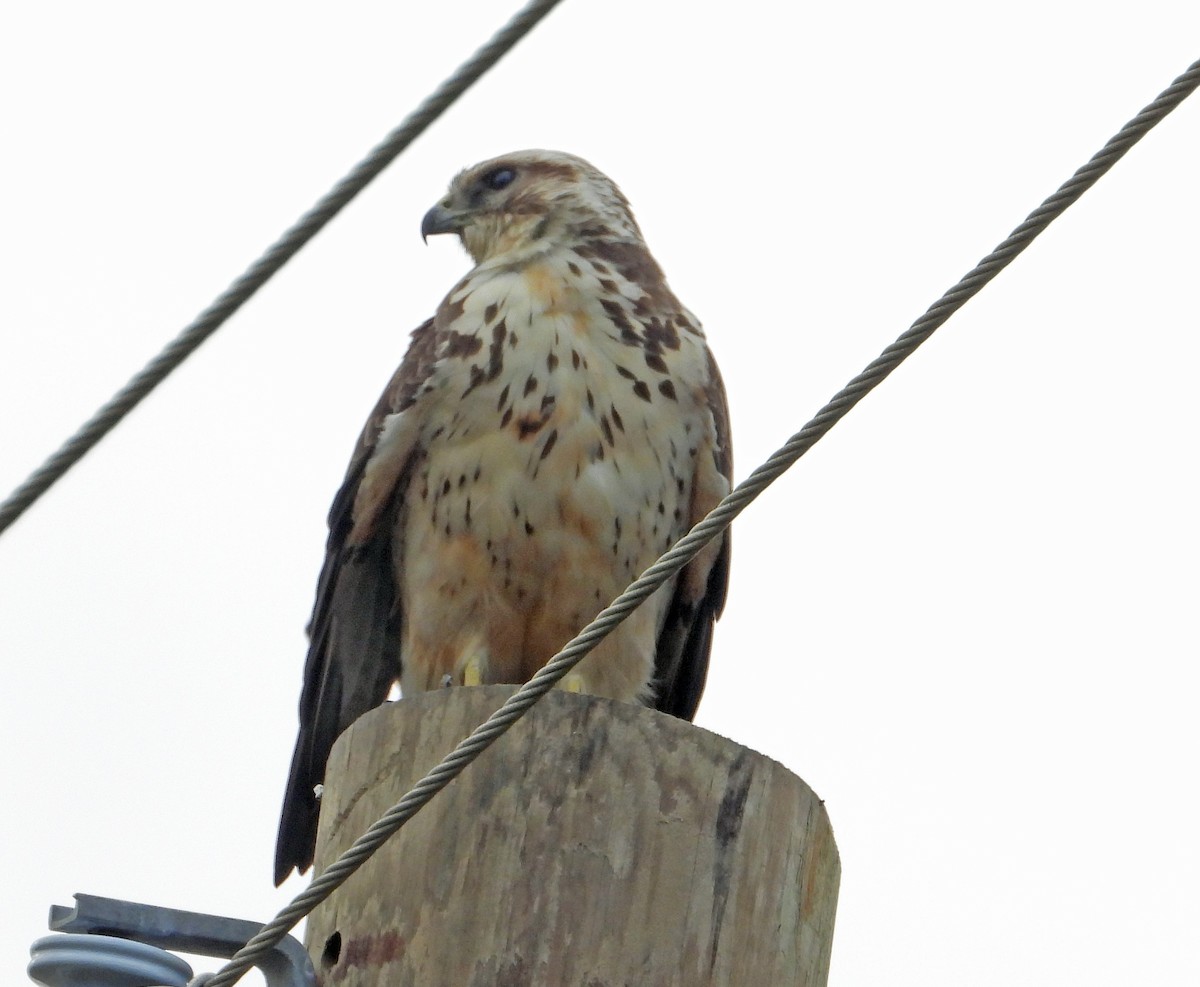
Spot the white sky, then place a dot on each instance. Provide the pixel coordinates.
(967, 619)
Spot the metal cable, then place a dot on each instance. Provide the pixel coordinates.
(278, 254)
(712, 525)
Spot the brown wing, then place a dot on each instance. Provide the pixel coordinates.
(681, 658)
(354, 634)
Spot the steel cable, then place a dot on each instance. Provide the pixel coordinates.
(278, 254)
(707, 529)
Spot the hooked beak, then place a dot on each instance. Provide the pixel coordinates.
(439, 219)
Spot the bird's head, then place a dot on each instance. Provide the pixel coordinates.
(524, 204)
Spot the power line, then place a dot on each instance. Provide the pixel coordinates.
(712, 525)
(261, 271)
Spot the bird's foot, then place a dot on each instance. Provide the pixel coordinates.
(573, 682)
(473, 670)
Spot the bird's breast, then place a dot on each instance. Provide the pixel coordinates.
(554, 441)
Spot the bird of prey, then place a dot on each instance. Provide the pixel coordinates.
(551, 431)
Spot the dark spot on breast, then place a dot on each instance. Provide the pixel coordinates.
(530, 385)
(503, 398)
(616, 314)
(528, 528)
(609, 286)
(547, 407)
(575, 359)
(598, 453)
(641, 390)
(591, 400)
(460, 345)
(616, 417)
(506, 417)
(550, 440)
(656, 362)
(512, 340)
(626, 373)
(528, 425)
(667, 390)
(551, 361)
(477, 377)
(452, 311)
(445, 487)
(574, 268)
(661, 333)
(496, 351)
(606, 428)
(462, 479)
(489, 313)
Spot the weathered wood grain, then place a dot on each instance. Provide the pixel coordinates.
(597, 843)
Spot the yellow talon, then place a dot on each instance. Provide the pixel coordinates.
(573, 683)
(473, 671)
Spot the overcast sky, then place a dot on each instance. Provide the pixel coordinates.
(967, 619)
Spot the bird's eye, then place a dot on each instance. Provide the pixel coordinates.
(499, 178)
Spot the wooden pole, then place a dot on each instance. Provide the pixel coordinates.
(597, 843)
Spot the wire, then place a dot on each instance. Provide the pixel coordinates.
(717, 521)
(278, 254)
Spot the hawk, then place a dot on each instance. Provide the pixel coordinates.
(554, 428)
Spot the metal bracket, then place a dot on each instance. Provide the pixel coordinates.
(287, 965)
